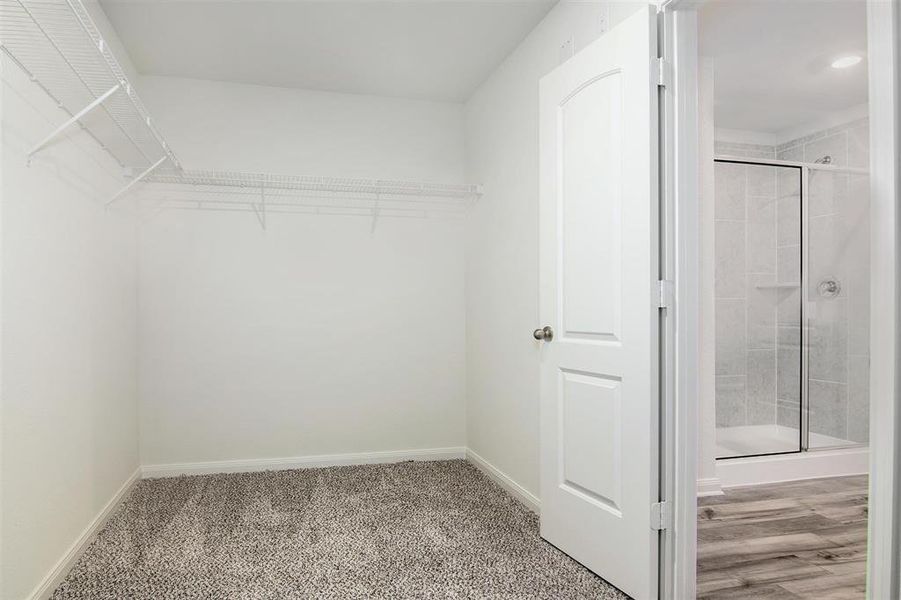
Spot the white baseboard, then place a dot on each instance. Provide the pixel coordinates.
(530, 500)
(301, 462)
(710, 486)
(777, 468)
(334, 460)
(74, 552)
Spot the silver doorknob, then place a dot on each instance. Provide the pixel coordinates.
(545, 333)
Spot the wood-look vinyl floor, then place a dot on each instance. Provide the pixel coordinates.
(801, 539)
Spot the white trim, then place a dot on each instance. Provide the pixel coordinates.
(709, 486)
(778, 468)
(3, 200)
(680, 162)
(59, 571)
(530, 500)
(301, 462)
(884, 554)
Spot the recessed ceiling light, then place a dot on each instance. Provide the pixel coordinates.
(844, 62)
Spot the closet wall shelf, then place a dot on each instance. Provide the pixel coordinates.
(251, 182)
(58, 45)
(262, 194)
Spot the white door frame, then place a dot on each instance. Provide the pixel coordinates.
(884, 535)
(679, 46)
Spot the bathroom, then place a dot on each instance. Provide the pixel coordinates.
(785, 277)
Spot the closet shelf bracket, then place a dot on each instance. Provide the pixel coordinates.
(137, 180)
(375, 213)
(260, 209)
(77, 117)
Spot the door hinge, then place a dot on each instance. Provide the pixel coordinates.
(663, 72)
(666, 293)
(661, 516)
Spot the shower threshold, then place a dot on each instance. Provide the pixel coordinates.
(828, 456)
(753, 440)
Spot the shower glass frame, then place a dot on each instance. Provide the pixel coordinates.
(805, 324)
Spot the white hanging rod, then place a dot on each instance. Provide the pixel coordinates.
(213, 203)
(262, 181)
(207, 194)
(337, 211)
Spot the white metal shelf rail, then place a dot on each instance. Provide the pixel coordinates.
(58, 45)
(264, 192)
(60, 48)
(268, 181)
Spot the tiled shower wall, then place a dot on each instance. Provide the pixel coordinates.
(746, 271)
(758, 303)
(788, 299)
(838, 247)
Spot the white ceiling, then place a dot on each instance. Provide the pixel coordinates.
(426, 49)
(772, 61)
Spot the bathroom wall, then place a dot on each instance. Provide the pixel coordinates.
(788, 298)
(758, 304)
(838, 249)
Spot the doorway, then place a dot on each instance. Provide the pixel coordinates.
(785, 205)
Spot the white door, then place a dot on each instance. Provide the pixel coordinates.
(598, 271)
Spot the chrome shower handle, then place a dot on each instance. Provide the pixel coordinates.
(830, 287)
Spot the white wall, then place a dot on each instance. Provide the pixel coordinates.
(502, 241)
(68, 317)
(231, 126)
(317, 336)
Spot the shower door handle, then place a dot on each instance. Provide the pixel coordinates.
(545, 333)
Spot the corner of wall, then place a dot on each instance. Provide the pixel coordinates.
(501, 129)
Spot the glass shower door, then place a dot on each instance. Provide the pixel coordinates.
(837, 294)
(757, 294)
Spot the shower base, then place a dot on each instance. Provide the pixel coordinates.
(747, 440)
(828, 456)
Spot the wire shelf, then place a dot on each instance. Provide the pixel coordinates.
(57, 44)
(264, 194)
(266, 182)
(59, 47)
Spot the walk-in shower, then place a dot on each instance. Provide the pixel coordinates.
(791, 305)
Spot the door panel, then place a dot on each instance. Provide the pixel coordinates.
(589, 434)
(598, 269)
(589, 194)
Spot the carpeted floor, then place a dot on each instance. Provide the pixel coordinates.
(407, 530)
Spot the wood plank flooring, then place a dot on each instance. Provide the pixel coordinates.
(802, 539)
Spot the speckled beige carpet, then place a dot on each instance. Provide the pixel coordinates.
(407, 530)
